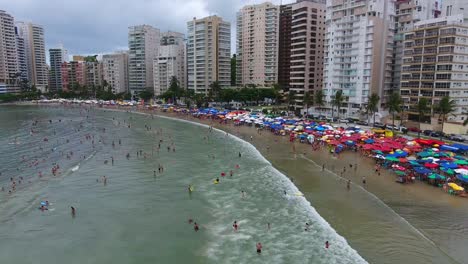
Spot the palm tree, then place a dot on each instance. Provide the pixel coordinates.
(422, 109)
(276, 93)
(319, 99)
(445, 107)
(215, 89)
(307, 100)
(394, 106)
(372, 105)
(338, 101)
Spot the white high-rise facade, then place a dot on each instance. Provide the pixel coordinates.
(143, 44)
(115, 71)
(9, 68)
(170, 62)
(358, 59)
(33, 36)
(208, 53)
(257, 44)
(455, 7)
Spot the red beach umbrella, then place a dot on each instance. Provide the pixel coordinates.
(431, 165)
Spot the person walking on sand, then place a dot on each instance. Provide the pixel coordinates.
(348, 185)
(364, 180)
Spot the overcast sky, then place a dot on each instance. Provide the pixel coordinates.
(101, 26)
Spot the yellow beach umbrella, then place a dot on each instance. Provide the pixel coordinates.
(455, 187)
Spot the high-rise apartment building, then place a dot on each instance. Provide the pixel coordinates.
(307, 49)
(143, 44)
(208, 53)
(435, 64)
(33, 36)
(56, 57)
(94, 73)
(359, 50)
(115, 71)
(407, 13)
(73, 75)
(21, 56)
(257, 44)
(284, 45)
(170, 62)
(9, 69)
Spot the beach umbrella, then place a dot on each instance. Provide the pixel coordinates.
(411, 158)
(461, 162)
(447, 170)
(422, 170)
(403, 160)
(424, 154)
(449, 165)
(463, 178)
(392, 158)
(414, 163)
(431, 165)
(369, 141)
(435, 176)
(455, 187)
(462, 171)
(378, 152)
(400, 173)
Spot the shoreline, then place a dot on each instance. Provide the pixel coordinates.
(298, 166)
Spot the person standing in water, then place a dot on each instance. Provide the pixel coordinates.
(235, 226)
(327, 245)
(73, 211)
(195, 227)
(259, 247)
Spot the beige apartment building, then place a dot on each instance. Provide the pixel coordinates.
(435, 64)
(208, 53)
(115, 71)
(257, 44)
(8, 55)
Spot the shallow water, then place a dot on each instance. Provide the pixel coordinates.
(137, 217)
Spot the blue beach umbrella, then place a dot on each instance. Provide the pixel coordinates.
(463, 178)
(422, 170)
(369, 141)
(449, 165)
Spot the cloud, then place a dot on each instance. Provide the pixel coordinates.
(99, 26)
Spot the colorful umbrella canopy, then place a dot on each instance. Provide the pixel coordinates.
(400, 173)
(422, 170)
(449, 165)
(431, 165)
(461, 162)
(403, 160)
(447, 170)
(435, 176)
(392, 158)
(463, 178)
(456, 187)
(462, 171)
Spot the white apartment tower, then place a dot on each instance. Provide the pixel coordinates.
(208, 53)
(9, 68)
(408, 12)
(115, 71)
(455, 7)
(435, 65)
(257, 44)
(21, 56)
(170, 62)
(358, 57)
(143, 44)
(33, 36)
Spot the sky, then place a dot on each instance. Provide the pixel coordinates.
(88, 27)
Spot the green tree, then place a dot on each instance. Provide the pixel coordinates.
(233, 69)
(445, 108)
(372, 105)
(307, 101)
(215, 89)
(423, 108)
(291, 98)
(394, 106)
(145, 95)
(337, 101)
(277, 93)
(318, 100)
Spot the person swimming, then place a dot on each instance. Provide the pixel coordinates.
(327, 245)
(195, 227)
(306, 227)
(190, 188)
(216, 181)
